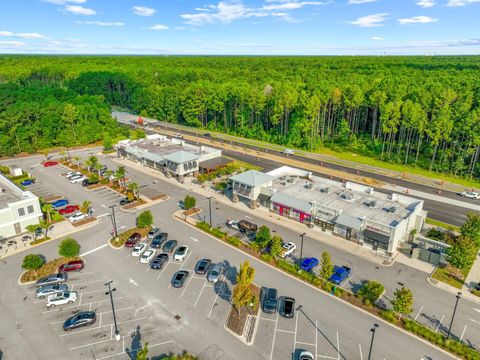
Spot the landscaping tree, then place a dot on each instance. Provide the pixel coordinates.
(107, 143)
(402, 301)
(471, 227)
(120, 175)
(62, 154)
(189, 202)
(93, 178)
(462, 253)
(326, 269)
(76, 160)
(85, 206)
(142, 354)
(145, 219)
(276, 246)
(263, 236)
(108, 174)
(32, 262)
(32, 230)
(133, 187)
(371, 291)
(46, 153)
(47, 210)
(97, 168)
(69, 248)
(46, 226)
(242, 292)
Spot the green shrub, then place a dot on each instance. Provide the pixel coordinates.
(371, 291)
(69, 248)
(266, 257)
(145, 219)
(475, 292)
(389, 315)
(232, 240)
(4, 170)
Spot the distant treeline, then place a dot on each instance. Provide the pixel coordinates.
(423, 111)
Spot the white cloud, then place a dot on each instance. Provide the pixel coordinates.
(10, 43)
(370, 20)
(417, 19)
(23, 35)
(63, 2)
(100, 23)
(143, 11)
(290, 5)
(377, 38)
(453, 3)
(79, 10)
(426, 3)
(361, 1)
(158, 27)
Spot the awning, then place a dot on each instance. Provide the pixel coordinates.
(372, 235)
(351, 222)
(291, 202)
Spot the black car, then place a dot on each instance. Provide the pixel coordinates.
(125, 201)
(169, 246)
(270, 301)
(83, 318)
(158, 262)
(202, 266)
(288, 307)
(179, 278)
(88, 182)
(207, 135)
(158, 240)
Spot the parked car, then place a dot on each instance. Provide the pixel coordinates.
(52, 279)
(179, 278)
(233, 224)
(83, 318)
(77, 179)
(178, 136)
(169, 246)
(69, 209)
(139, 249)
(181, 253)
(71, 174)
(88, 182)
(247, 227)
(77, 217)
(133, 239)
(44, 291)
(74, 265)
(270, 301)
(67, 297)
(309, 264)
(154, 232)
(158, 240)
(306, 355)
(288, 249)
(214, 273)
(50, 163)
(27, 182)
(181, 204)
(207, 135)
(159, 261)
(470, 195)
(288, 307)
(147, 256)
(59, 203)
(340, 274)
(125, 201)
(202, 266)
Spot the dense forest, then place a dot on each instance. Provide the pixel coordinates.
(421, 111)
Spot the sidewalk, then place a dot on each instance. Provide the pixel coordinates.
(473, 277)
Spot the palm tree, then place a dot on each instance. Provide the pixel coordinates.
(85, 206)
(32, 230)
(45, 225)
(76, 159)
(133, 187)
(91, 163)
(47, 210)
(108, 174)
(62, 154)
(120, 175)
(97, 168)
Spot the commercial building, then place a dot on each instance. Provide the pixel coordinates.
(18, 209)
(353, 211)
(172, 156)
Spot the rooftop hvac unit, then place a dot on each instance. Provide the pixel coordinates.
(392, 209)
(325, 190)
(347, 196)
(372, 203)
(309, 185)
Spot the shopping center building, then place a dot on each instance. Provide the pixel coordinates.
(350, 210)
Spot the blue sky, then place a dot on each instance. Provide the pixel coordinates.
(298, 27)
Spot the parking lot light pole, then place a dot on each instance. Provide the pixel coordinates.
(301, 246)
(373, 329)
(459, 294)
(114, 220)
(109, 292)
(210, 209)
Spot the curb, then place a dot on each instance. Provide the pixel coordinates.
(25, 283)
(452, 290)
(377, 318)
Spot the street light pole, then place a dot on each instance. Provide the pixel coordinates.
(373, 329)
(114, 220)
(210, 209)
(109, 292)
(301, 246)
(459, 294)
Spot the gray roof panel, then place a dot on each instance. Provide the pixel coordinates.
(252, 178)
(180, 157)
(349, 221)
(292, 202)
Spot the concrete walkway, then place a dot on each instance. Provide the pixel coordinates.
(473, 276)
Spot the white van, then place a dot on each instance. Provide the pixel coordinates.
(289, 151)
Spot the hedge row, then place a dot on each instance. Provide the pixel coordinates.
(202, 225)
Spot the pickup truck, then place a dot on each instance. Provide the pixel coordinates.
(247, 227)
(340, 274)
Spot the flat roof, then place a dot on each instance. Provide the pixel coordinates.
(9, 192)
(214, 163)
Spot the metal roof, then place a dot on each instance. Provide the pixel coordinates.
(180, 157)
(214, 163)
(291, 202)
(351, 222)
(252, 178)
(154, 157)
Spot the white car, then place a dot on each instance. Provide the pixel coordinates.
(233, 224)
(77, 179)
(77, 217)
(139, 249)
(71, 174)
(181, 253)
(288, 249)
(62, 298)
(147, 256)
(471, 195)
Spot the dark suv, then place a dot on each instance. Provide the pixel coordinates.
(169, 246)
(270, 301)
(158, 240)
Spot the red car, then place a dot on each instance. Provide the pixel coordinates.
(75, 265)
(50, 163)
(69, 209)
(133, 239)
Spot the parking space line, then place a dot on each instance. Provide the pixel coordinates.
(188, 283)
(463, 332)
(100, 322)
(266, 319)
(304, 343)
(360, 348)
(419, 312)
(316, 338)
(439, 323)
(200, 294)
(274, 335)
(296, 327)
(286, 331)
(326, 357)
(124, 352)
(74, 306)
(103, 312)
(214, 302)
(338, 347)
(164, 268)
(87, 282)
(93, 291)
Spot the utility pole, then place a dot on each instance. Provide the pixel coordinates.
(114, 220)
(109, 292)
(459, 294)
(373, 329)
(210, 209)
(301, 246)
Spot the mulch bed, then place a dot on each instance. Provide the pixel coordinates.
(84, 221)
(48, 268)
(192, 211)
(122, 237)
(133, 204)
(53, 198)
(236, 320)
(159, 197)
(96, 186)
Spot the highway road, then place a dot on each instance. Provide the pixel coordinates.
(442, 211)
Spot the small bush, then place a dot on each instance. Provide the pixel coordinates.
(476, 292)
(32, 262)
(145, 219)
(389, 315)
(267, 258)
(232, 240)
(371, 291)
(69, 248)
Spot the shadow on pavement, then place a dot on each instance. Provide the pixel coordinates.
(135, 345)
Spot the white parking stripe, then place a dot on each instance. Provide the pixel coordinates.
(338, 347)
(214, 302)
(326, 357)
(463, 332)
(305, 343)
(103, 312)
(86, 282)
(361, 354)
(267, 319)
(188, 283)
(419, 312)
(274, 335)
(296, 327)
(200, 294)
(439, 323)
(164, 267)
(93, 250)
(316, 338)
(286, 331)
